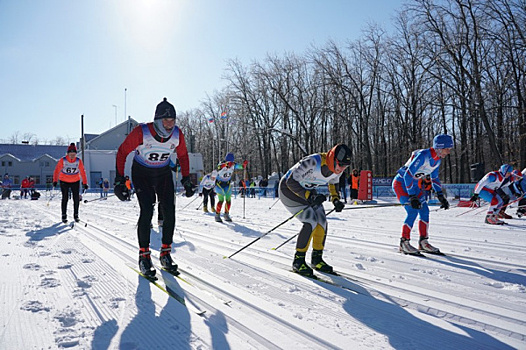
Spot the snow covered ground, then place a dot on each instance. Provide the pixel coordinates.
(74, 288)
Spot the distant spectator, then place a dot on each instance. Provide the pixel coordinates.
(105, 188)
(276, 187)
(6, 187)
(100, 184)
(24, 187)
(343, 187)
(263, 185)
(241, 185)
(354, 184)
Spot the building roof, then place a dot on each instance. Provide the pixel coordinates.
(30, 152)
(90, 137)
(89, 140)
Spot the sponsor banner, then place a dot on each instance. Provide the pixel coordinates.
(382, 181)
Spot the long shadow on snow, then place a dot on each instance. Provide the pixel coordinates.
(244, 230)
(170, 330)
(43, 233)
(401, 327)
(500, 276)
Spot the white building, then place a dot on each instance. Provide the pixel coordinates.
(100, 152)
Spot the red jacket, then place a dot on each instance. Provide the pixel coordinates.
(135, 139)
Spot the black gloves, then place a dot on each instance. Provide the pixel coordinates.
(443, 200)
(85, 186)
(120, 187)
(415, 202)
(316, 199)
(187, 184)
(338, 205)
(55, 184)
(474, 197)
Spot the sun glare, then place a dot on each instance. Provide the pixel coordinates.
(152, 23)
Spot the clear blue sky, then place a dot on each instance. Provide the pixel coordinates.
(63, 58)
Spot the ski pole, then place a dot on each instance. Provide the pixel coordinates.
(51, 197)
(98, 199)
(266, 233)
(288, 240)
(190, 202)
(277, 200)
(200, 204)
(376, 206)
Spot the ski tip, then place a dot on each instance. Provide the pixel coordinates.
(272, 248)
(225, 257)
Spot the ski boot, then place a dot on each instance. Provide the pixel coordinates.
(205, 209)
(145, 263)
(77, 219)
(300, 266)
(227, 217)
(424, 246)
(64, 219)
(318, 263)
(166, 259)
(218, 217)
(493, 220)
(503, 215)
(213, 209)
(521, 212)
(407, 248)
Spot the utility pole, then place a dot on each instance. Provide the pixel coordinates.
(115, 106)
(125, 90)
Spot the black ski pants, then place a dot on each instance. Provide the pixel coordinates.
(65, 187)
(209, 193)
(150, 183)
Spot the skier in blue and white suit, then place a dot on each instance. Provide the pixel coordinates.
(422, 162)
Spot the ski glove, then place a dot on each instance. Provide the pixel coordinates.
(338, 205)
(85, 186)
(55, 184)
(443, 200)
(415, 202)
(187, 184)
(245, 163)
(316, 199)
(474, 197)
(120, 187)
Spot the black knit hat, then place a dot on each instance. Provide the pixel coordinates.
(164, 110)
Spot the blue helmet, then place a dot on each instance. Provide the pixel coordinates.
(442, 141)
(229, 157)
(505, 169)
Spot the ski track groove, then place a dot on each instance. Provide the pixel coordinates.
(422, 294)
(244, 331)
(139, 332)
(439, 307)
(382, 233)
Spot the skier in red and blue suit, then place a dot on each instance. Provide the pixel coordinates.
(422, 162)
(490, 188)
